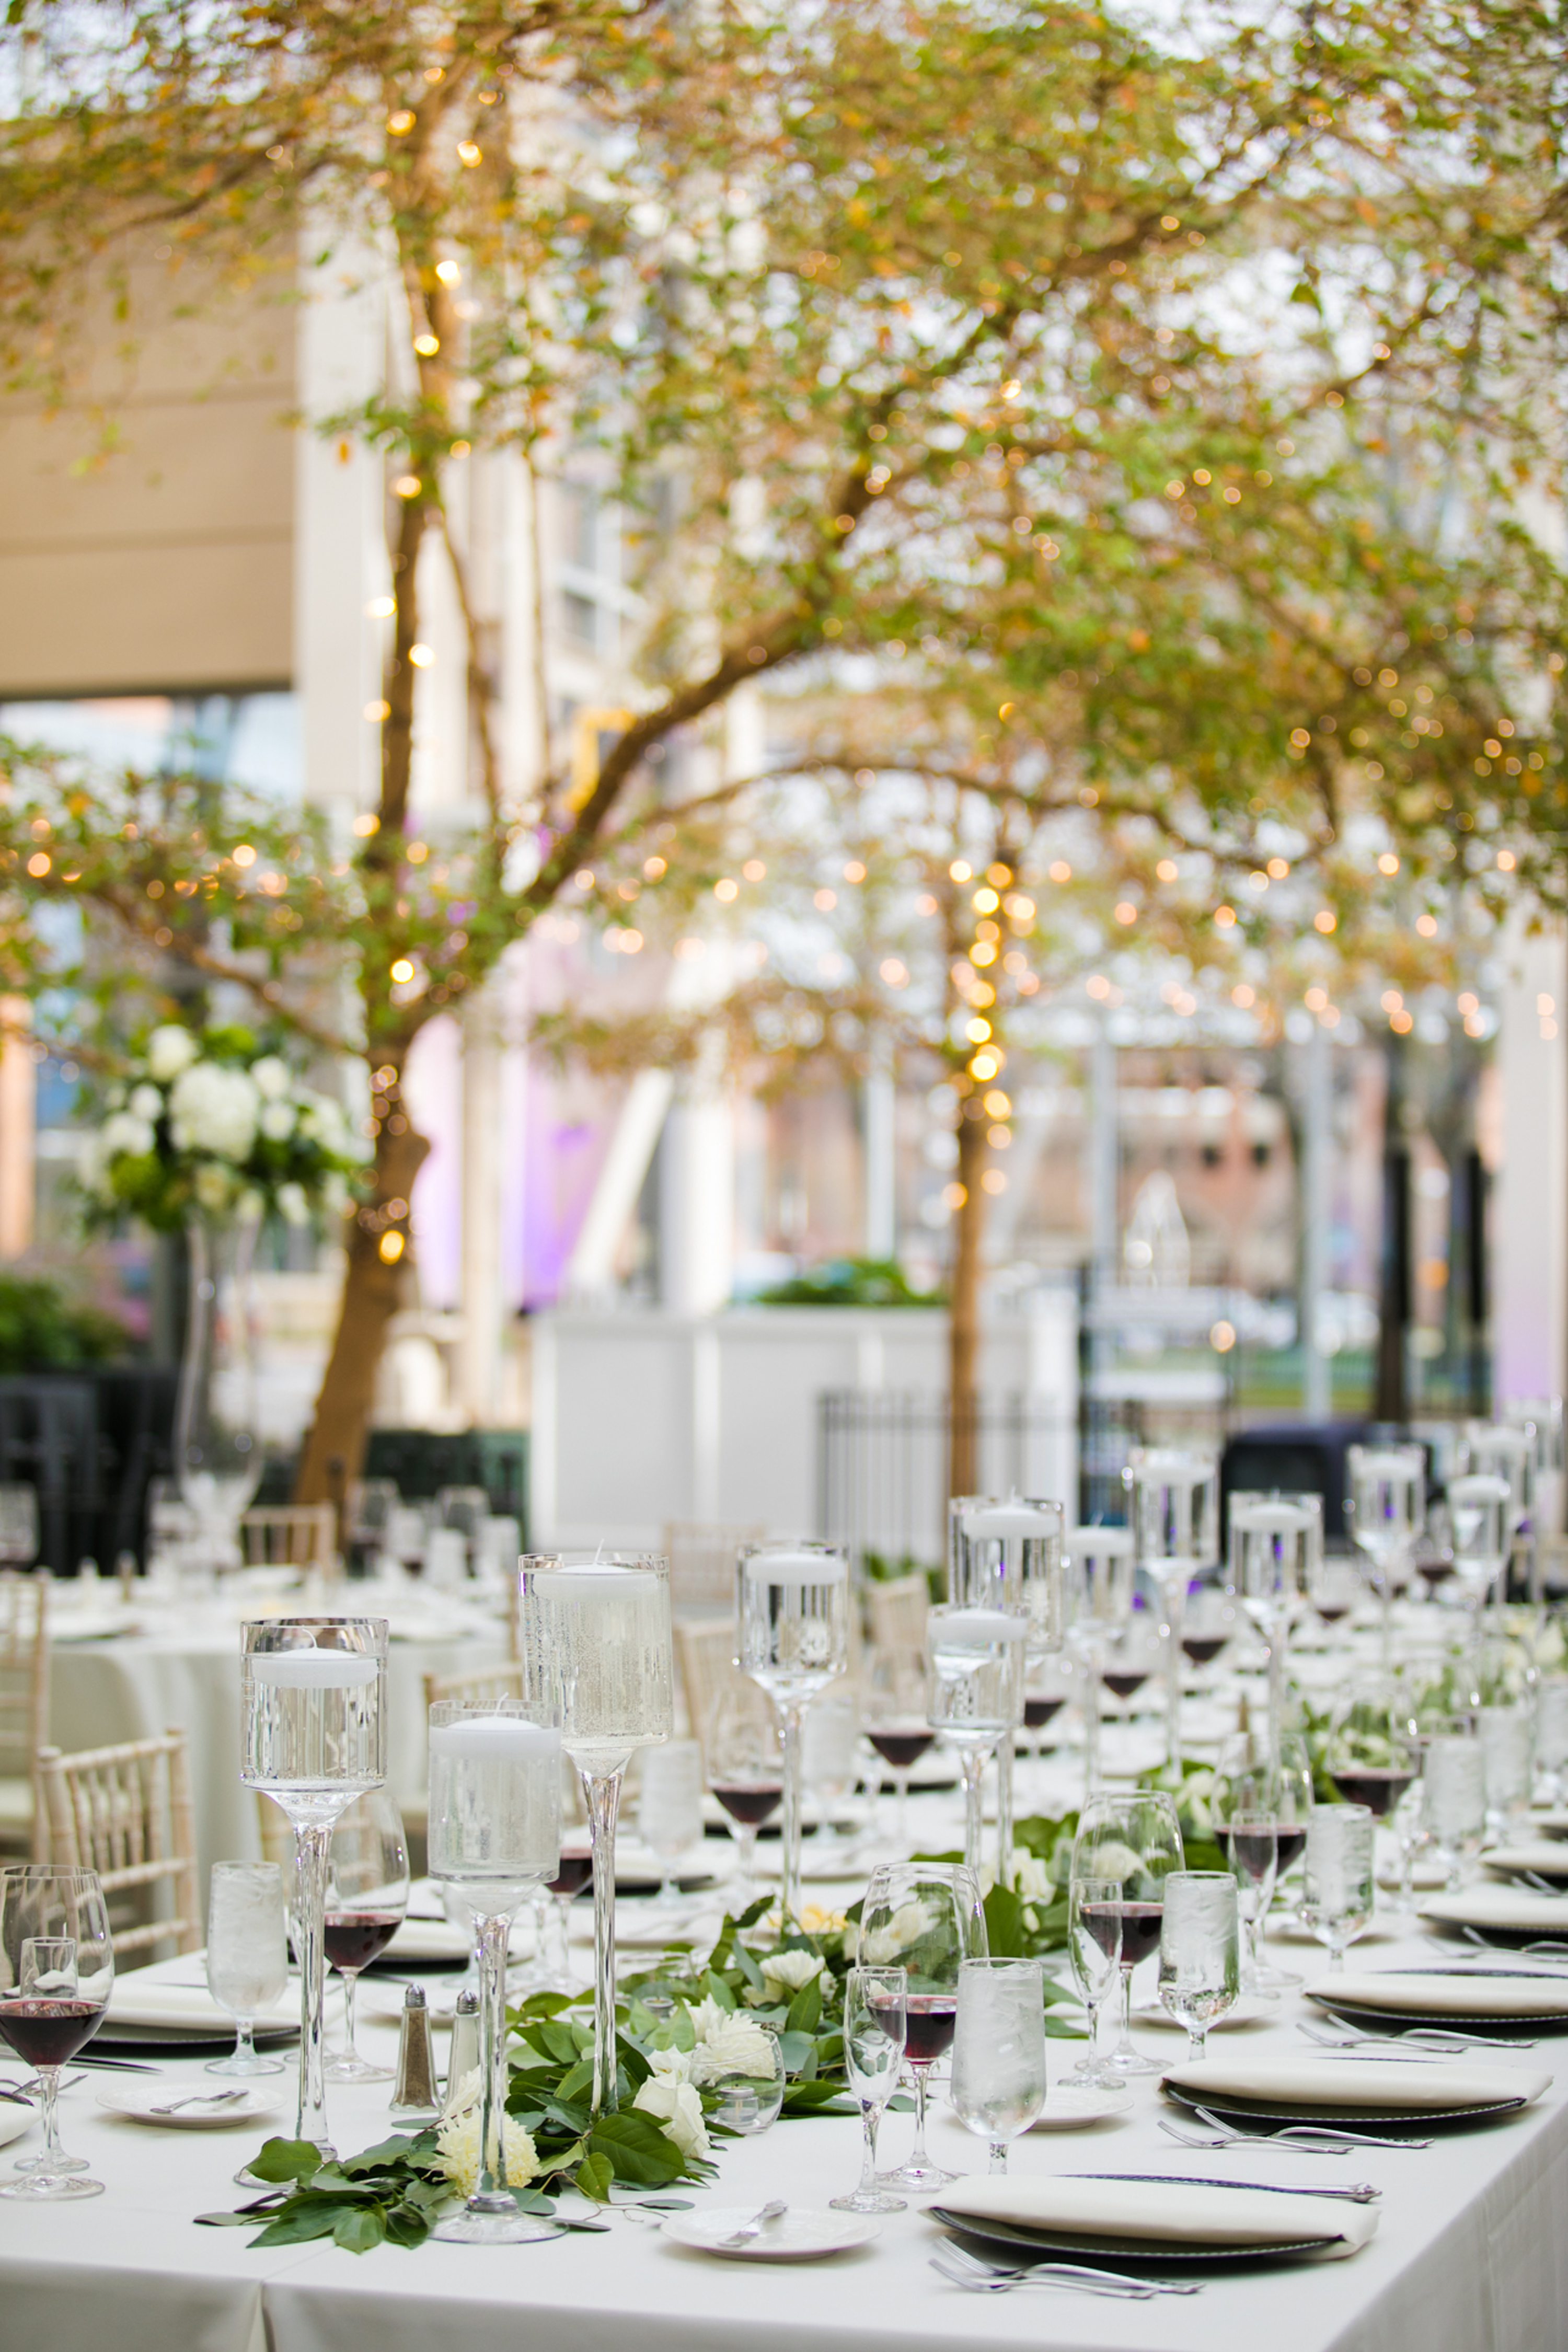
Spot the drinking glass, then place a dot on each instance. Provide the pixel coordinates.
(18, 1525)
(57, 1966)
(1136, 1841)
(1384, 1507)
(1507, 1761)
(894, 1707)
(974, 1695)
(367, 1895)
(1100, 1577)
(1007, 1554)
(750, 2102)
(594, 1641)
(669, 1810)
(1094, 1949)
(315, 1739)
(1552, 1734)
(1209, 1623)
(1454, 1799)
(1252, 1841)
(1478, 1515)
(793, 1620)
(999, 2051)
(1200, 1957)
(248, 1956)
(745, 1774)
(925, 1918)
(1337, 1885)
(495, 1833)
(1370, 1757)
(874, 2034)
(1275, 1544)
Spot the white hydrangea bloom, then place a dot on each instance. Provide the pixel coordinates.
(458, 2150)
(709, 2017)
(293, 1206)
(270, 1077)
(123, 1131)
(277, 1121)
(742, 2048)
(215, 1109)
(170, 1050)
(147, 1102)
(786, 1972)
(677, 2110)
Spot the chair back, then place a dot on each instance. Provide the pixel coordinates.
(480, 1688)
(288, 1534)
(126, 1813)
(705, 1652)
(24, 1670)
(897, 1612)
(703, 1562)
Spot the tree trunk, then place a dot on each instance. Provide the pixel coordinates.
(1390, 1403)
(373, 1288)
(963, 1311)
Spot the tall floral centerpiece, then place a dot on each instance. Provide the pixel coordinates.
(209, 1133)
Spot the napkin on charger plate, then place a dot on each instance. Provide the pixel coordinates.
(184, 2008)
(1473, 1993)
(1178, 2213)
(1386, 2083)
(1517, 1910)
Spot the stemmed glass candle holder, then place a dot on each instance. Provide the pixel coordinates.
(593, 1637)
(1098, 1602)
(1480, 1514)
(792, 1623)
(315, 1739)
(1007, 1554)
(1174, 1498)
(1385, 1505)
(367, 1896)
(495, 1833)
(1276, 1543)
(974, 1695)
(57, 1969)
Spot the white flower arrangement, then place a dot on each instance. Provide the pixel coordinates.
(210, 1125)
(457, 2143)
(677, 2108)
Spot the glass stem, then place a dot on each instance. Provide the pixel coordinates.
(313, 1856)
(1197, 2044)
(1125, 2018)
(901, 1820)
(790, 1713)
(1176, 1599)
(351, 1986)
(918, 2156)
(973, 1763)
(492, 1935)
(1091, 1729)
(49, 2084)
(1276, 1687)
(1004, 1753)
(998, 2155)
(870, 2122)
(245, 2043)
(603, 1792)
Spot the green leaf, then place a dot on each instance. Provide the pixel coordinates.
(595, 2176)
(796, 2049)
(638, 2149)
(388, 2152)
(407, 2225)
(287, 2159)
(1004, 1924)
(717, 1989)
(300, 2221)
(576, 2079)
(805, 2009)
(360, 2228)
(816, 2098)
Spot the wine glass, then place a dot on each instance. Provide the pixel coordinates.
(1050, 1683)
(1384, 1507)
(1094, 1950)
(894, 1707)
(874, 2035)
(1333, 1588)
(1100, 1577)
(315, 1739)
(248, 1956)
(495, 1833)
(57, 1966)
(1200, 1961)
(669, 1810)
(1136, 1841)
(1008, 1555)
(1252, 1842)
(1369, 1756)
(745, 1774)
(1337, 1883)
(998, 2084)
(793, 1621)
(974, 1695)
(593, 1637)
(1478, 1514)
(925, 1918)
(367, 1895)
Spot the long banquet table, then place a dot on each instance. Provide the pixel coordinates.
(1472, 2255)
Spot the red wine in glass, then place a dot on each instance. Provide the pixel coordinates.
(1255, 1849)
(1377, 1787)
(1291, 1842)
(1434, 1572)
(750, 1801)
(353, 1939)
(930, 2020)
(45, 2033)
(575, 1872)
(1125, 1686)
(1204, 1648)
(1037, 1712)
(1138, 1924)
(1331, 1611)
(900, 1750)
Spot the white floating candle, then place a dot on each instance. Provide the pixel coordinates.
(607, 1583)
(313, 1669)
(1104, 1543)
(495, 1739)
(1003, 1520)
(976, 1629)
(797, 1567)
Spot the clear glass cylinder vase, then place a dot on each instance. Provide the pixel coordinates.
(218, 1447)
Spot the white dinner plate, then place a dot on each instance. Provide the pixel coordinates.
(801, 2235)
(14, 2120)
(1073, 2107)
(138, 2101)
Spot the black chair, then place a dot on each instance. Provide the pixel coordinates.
(1292, 1460)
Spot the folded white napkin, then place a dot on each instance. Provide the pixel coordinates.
(1548, 1857)
(1472, 1994)
(1377, 2083)
(1178, 2213)
(136, 2000)
(427, 1940)
(1517, 1908)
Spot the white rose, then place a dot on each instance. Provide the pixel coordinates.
(147, 1102)
(677, 2110)
(708, 2018)
(907, 1925)
(126, 1132)
(675, 2065)
(293, 1205)
(269, 1077)
(742, 2048)
(214, 1110)
(786, 1972)
(277, 1121)
(170, 1050)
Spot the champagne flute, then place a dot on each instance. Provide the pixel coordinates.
(315, 1739)
(874, 2035)
(792, 1623)
(57, 1966)
(595, 1639)
(1253, 1840)
(495, 1833)
(1200, 1967)
(248, 1956)
(745, 1774)
(999, 2051)
(1136, 1841)
(1094, 1950)
(974, 1695)
(367, 1896)
(926, 1918)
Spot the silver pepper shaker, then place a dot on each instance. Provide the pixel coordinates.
(463, 2058)
(415, 2099)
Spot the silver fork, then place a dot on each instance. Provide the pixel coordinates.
(979, 2281)
(200, 2099)
(994, 2267)
(1437, 2040)
(1329, 2139)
